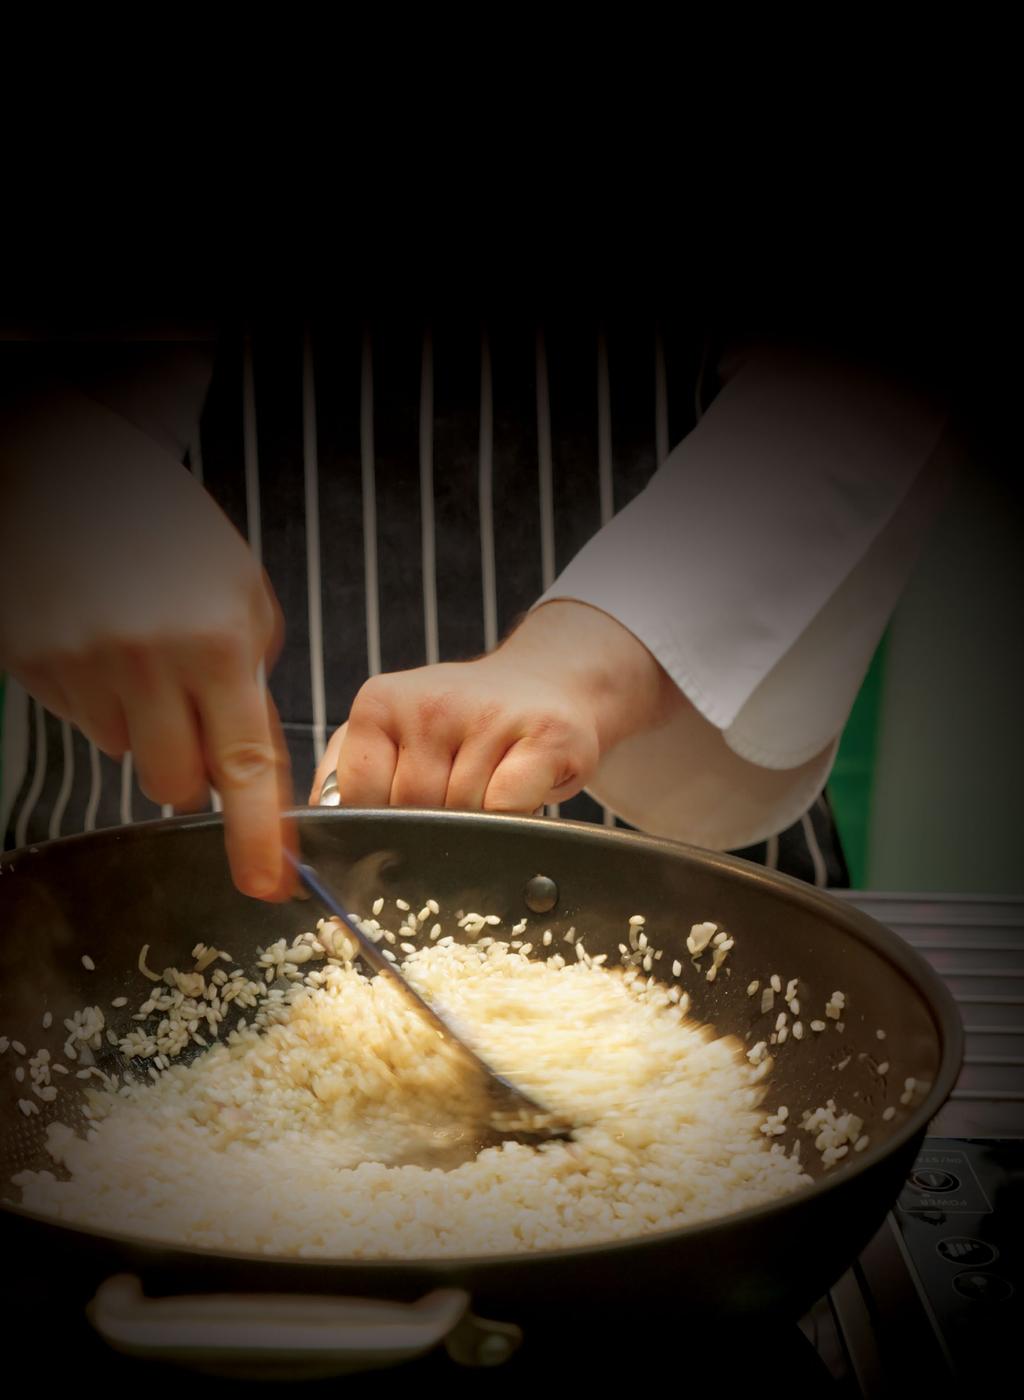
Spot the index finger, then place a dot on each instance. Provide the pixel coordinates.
(248, 766)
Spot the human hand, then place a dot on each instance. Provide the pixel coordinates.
(130, 606)
(509, 732)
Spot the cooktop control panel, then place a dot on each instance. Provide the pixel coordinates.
(960, 1222)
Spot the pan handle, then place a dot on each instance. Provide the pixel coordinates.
(293, 1336)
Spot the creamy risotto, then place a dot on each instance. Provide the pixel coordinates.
(337, 1125)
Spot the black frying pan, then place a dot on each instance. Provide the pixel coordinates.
(166, 884)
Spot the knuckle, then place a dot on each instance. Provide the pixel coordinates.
(240, 764)
(431, 708)
(553, 730)
(373, 703)
(487, 717)
(137, 661)
(220, 653)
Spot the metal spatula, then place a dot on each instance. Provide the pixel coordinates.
(512, 1114)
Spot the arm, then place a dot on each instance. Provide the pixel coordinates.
(761, 567)
(695, 663)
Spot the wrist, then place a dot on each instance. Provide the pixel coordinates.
(600, 663)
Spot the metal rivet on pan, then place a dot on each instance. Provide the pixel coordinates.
(541, 894)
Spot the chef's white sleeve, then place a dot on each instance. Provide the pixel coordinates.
(760, 567)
